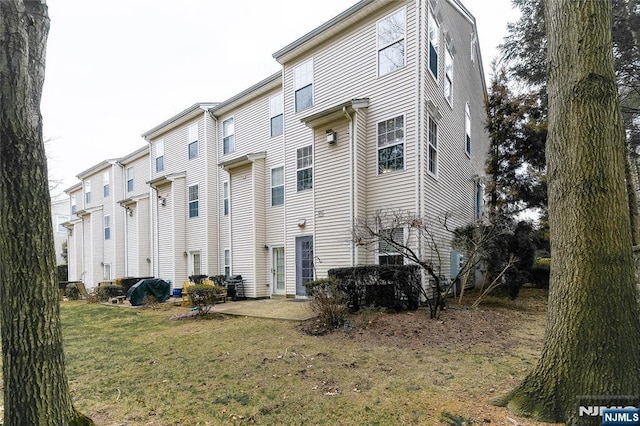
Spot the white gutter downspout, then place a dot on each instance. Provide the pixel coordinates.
(217, 197)
(126, 222)
(418, 108)
(352, 182)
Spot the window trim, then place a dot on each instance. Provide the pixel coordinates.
(192, 262)
(297, 88)
(467, 129)
(277, 186)
(159, 151)
(74, 204)
(106, 267)
(226, 204)
(402, 39)
(191, 201)
(380, 253)
(192, 141)
(403, 143)
(130, 177)
(106, 219)
(433, 173)
(448, 74)
(87, 192)
(276, 109)
(231, 146)
(60, 219)
(299, 169)
(432, 21)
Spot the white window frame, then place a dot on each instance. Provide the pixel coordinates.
(74, 204)
(434, 45)
(106, 272)
(192, 141)
(304, 162)
(159, 156)
(380, 253)
(106, 178)
(383, 45)
(276, 109)
(228, 136)
(193, 201)
(107, 226)
(87, 191)
(432, 148)
(303, 78)
(277, 185)
(226, 206)
(130, 181)
(60, 219)
(193, 263)
(448, 74)
(467, 129)
(227, 263)
(479, 200)
(391, 144)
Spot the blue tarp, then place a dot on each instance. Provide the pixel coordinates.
(155, 287)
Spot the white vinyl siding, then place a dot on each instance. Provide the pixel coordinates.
(304, 179)
(192, 145)
(275, 114)
(432, 149)
(277, 186)
(391, 42)
(448, 74)
(303, 85)
(391, 144)
(434, 46)
(228, 136)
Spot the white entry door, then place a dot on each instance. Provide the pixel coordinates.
(277, 270)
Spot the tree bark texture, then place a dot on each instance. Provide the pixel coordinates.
(35, 385)
(592, 339)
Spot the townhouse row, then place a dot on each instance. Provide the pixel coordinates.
(381, 107)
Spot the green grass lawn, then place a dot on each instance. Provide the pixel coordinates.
(139, 367)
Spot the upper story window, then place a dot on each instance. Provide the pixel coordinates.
(129, 179)
(434, 45)
(448, 74)
(467, 128)
(275, 113)
(60, 220)
(193, 141)
(304, 174)
(303, 85)
(87, 191)
(105, 184)
(391, 44)
(474, 41)
(432, 151)
(74, 206)
(107, 227)
(277, 186)
(479, 200)
(225, 198)
(391, 145)
(228, 136)
(389, 246)
(160, 155)
(193, 201)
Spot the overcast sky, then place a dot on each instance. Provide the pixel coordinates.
(117, 68)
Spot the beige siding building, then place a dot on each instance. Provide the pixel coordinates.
(379, 108)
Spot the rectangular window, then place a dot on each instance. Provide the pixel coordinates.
(228, 136)
(391, 145)
(195, 263)
(434, 45)
(160, 156)
(448, 74)
(305, 168)
(105, 184)
(87, 192)
(275, 113)
(467, 128)
(129, 179)
(193, 201)
(106, 274)
(74, 206)
(277, 186)
(479, 201)
(391, 35)
(225, 198)
(303, 85)
(107, 227)
(60, 220)
(389, 247)
(227, 263)
(193, 141)
(432, 155)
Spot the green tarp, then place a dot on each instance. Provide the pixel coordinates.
(156, 287)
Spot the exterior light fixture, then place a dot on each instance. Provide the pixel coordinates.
(302, 223)
(332, 137)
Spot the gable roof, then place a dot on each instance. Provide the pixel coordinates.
(178, 119)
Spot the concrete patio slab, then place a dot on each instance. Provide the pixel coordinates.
(283, 309)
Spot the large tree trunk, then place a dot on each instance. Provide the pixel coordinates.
(35, 386)
(592, 340)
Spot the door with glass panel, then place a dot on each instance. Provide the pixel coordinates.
(277, 269)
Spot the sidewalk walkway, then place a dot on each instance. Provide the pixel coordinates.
(284, 309)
